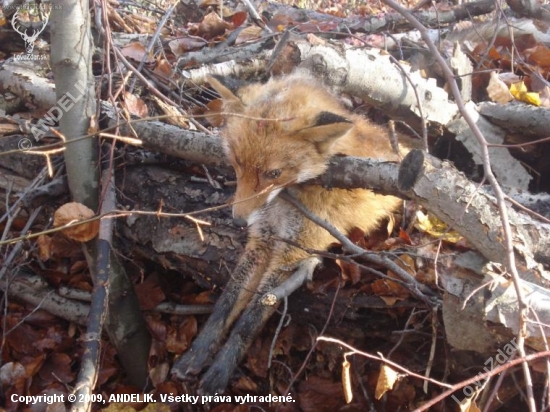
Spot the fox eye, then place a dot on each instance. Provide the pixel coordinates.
(273, 174)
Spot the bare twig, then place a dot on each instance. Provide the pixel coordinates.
(152, 42)
(481, 377)
(301, 274)
(450, 388)
(304, 363)
(432, 348)
(510, 257)
(386, 361)
(419, 290)
(255, 16)
(277, 332)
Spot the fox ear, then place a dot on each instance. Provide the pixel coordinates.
(328, 128)
(230, 101)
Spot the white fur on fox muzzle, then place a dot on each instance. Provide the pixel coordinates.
(253, 217)
(273, 194)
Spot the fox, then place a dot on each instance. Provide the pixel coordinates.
(277, 136)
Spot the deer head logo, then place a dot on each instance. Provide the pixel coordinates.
(22, 29)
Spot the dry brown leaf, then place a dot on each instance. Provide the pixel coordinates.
(157, 327)
(392, 291)
(390, 301)
(136, 52)
(11, 371)
(405, 237)
(159, 373)
(320, 394)
(149, 293)
(468, 405)
(135, 105)
(76, 212)
(212, 25)
(247, 34)
(386, 381)
(498, 90)
(179, 340)
(183, 45)
(176, 118)
(163, 68)
(57, 368)
(346, 381)
(44, 247)
(246, 385)
(239, 18)
(539, 55)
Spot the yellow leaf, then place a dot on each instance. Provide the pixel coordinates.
(532, 98)
(386, 381)
(519, 91)
(435, 227)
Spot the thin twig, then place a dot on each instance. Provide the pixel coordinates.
(277, 332)
(386, 361)
(419, 290)
(508, 239)
(310, 353)
(152, 41)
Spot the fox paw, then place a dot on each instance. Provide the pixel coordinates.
(189, 365)
(215, 380)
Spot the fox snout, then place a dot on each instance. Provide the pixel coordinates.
(239, 222)
(248, 205)
(246, 212)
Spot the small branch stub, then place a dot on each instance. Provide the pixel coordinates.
(412, 168)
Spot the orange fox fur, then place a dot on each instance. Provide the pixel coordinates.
(281, 134)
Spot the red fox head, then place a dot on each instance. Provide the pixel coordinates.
(276, 135)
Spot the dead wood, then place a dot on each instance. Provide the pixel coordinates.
(182, 250)
(484, 31)
(400, 93)
(171, 140)
(530, 8)
(150, 182)
(28, 82)
(441, 189)
(530, 121)
(208, 254)
(461, 204)
(224, 53)
(346, 70)
(32, 288)
(375, 24)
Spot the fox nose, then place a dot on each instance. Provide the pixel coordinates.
(239, 222)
